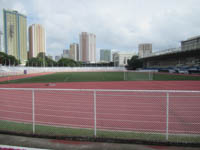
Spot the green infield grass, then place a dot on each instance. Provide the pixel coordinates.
(102, 76)
(72, 77)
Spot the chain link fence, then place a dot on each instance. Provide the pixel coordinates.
(123, 114)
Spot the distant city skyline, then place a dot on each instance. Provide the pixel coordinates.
(117, 25)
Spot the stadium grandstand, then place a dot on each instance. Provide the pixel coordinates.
(186, 56)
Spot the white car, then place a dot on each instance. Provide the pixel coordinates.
(183, 71)
(172, 71)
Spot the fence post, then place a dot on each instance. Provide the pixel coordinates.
(124, 75)
(167, 116)
(149, 76)
(95, 117)
(33, 110)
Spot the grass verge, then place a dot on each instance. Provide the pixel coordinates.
(77, 132)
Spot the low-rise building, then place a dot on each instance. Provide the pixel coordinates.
(121, 58)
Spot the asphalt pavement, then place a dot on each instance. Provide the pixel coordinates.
(42, 143)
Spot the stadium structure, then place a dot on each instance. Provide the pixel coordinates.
(188, 55)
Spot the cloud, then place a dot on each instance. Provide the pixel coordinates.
(20, 8)
(118, 24)
(19, 5)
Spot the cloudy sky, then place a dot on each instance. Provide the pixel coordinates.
(118, 24)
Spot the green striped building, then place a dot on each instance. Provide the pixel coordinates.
(15, 34)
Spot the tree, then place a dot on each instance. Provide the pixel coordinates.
(134, 63)
(67, 62)
(40, 61)
(36, 62)
(49, 62)
(3, 58)
(8, 59)
(42, 58)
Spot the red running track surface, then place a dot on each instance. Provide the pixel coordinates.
(131, 85)
(127, 111)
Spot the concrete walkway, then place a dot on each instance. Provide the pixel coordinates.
(77, 145)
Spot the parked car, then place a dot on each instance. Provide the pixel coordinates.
(172, 71)
(183, 71)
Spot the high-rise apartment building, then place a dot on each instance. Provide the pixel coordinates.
(37, 40)
(87, 47)
(74, 51)
(105, 55)
(65, 53)
(145, 49)
(1, 49)
(15, 34)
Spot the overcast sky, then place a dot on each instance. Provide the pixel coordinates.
(118, 24)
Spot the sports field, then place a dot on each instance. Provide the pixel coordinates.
(128, 111)
(99, 76)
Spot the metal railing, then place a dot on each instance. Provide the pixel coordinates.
(162, 115)
(162, 52)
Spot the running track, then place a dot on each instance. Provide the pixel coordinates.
(127, 111)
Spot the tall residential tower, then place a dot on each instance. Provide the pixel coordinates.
(37, 40)
(15, 34)
(87, 47)
(1, 49)
(144, 49)
(74, 51)
(105, 55)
